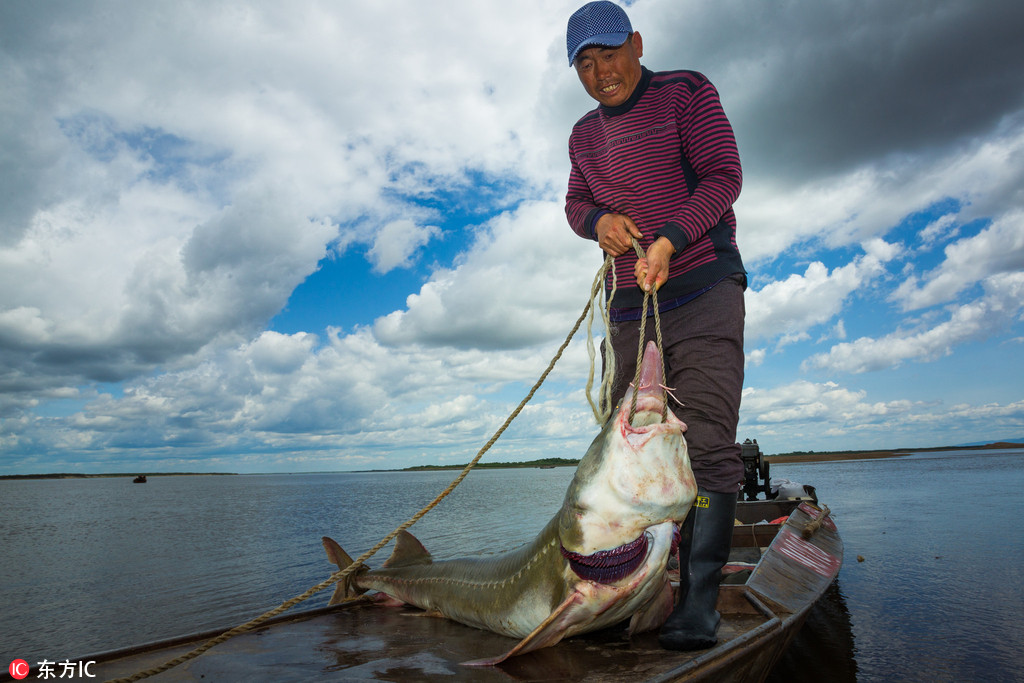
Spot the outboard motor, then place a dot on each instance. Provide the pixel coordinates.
(755, 471)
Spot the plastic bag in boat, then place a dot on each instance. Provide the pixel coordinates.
(787, 489)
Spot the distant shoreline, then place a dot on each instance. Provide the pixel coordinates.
(781, 458)
(831, 456)
(543, 463)
(548, 463)
(114, 475)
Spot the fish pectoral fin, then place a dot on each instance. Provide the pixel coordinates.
(654, 612)
(550, 631)
(408, 551)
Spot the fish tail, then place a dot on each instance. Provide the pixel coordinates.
(347, 587)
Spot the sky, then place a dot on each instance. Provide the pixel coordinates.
(328, 236)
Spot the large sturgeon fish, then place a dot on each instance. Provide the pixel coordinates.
(599, 561)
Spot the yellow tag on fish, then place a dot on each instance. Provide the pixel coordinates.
(702, 502)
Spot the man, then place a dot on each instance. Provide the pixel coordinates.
(657, 161)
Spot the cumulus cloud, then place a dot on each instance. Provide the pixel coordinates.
(155, 205)
(133, 284)
(788, 308)
(818, 415)
(522, 281)
(979, 319)
(341, 402)
(865, 202)
(997, 249)
(802, 402)
(395, 244)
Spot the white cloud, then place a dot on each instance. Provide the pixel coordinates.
(395, 244)
(998, 248)
(24, 326)
(881, 251)
(979, 319)
(755, 358)
(339, 403)
(838, 331)
(867, 201)
(172, 201)
(801, 402)
(805, 415)
(941, 228)
(149, 279)
(525, 279)
(786, 309)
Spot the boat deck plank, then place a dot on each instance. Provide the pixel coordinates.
(375, 642)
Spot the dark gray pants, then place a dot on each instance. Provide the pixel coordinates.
(703, 342)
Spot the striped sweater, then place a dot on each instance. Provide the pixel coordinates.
(666, 158)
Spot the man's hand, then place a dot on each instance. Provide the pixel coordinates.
(614, 233)
(653, 270)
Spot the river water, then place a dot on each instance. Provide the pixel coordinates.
(88, 565)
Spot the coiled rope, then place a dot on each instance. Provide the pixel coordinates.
(603, 407)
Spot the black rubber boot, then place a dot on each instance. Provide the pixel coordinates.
(706, 537)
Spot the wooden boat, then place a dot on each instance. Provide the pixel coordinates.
(792, 563)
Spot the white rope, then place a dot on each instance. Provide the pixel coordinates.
(602, 407)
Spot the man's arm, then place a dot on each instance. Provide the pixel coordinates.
(580, 209)
(709, 143)
(612, 231)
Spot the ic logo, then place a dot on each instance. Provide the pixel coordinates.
(18, 669)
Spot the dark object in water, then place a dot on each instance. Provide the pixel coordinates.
(141, 479)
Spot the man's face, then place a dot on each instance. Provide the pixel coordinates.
(610, 74)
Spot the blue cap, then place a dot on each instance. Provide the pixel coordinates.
(596, 23)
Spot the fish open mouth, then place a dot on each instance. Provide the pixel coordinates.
(609, 566)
